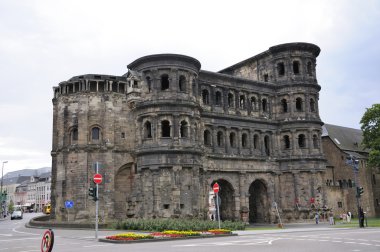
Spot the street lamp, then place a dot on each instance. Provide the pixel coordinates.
(1, 190)
(354, 163)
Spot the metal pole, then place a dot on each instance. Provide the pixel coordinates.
(351, 161)
(97, 205)
(217, 205)
(1, 190)
(357, 196)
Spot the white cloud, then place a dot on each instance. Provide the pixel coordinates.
(45, 42)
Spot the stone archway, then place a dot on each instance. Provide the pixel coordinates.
(227, 201)
(123, 188)
(258, 203)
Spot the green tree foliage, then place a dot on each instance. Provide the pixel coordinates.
(371, 134)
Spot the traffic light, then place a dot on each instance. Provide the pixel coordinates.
(359, 191)
(92, 193)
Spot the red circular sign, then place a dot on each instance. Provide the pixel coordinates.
(98, 178)
(47, 241)
(215, 187)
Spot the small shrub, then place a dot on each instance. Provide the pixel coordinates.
(159, 225)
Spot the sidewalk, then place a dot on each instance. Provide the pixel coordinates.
(287, 228)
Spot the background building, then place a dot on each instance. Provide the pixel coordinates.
(338, 143)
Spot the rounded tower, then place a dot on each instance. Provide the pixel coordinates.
(168, 138)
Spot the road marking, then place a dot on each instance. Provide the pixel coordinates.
(19, 232)
(21, 239)
(100, 245)
(6, 234)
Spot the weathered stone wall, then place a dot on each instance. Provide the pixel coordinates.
(168, 132)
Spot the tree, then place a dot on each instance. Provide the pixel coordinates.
(371, 134)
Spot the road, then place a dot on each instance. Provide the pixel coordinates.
(15, 237)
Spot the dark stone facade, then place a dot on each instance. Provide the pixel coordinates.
(166, 131)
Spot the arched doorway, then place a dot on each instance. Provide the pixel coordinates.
(227, 202)
(258, 203)
(123, 188)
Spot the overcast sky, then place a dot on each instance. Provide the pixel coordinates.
(45, 42)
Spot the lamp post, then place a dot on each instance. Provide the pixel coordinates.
(354, 163)
(1, 190)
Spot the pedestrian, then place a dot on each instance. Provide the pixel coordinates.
(331, 218)
(316, 218)
(349, 216)
(361, 217)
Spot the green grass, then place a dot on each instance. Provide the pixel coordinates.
(372, 222)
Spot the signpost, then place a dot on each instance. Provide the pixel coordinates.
(215, 187)
(68, 204)
(97, 180)
(47, 241)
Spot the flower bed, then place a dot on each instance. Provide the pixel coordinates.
(166, 234)
(219, 231)
(129, 237)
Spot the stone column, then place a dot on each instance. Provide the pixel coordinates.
(292, 102)
(294, 142)
(238, 140)
(296, 185)
(310, 143)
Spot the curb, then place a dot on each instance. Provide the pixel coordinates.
(165, 239)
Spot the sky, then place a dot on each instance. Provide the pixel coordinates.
(45, 42)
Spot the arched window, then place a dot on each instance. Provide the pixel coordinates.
(148, 130)
(165, 128)
(149, 84)
(266, 77)
(244, 140)
(264, 105)
(230, 99)
(312, 105)
(232, 139)
(284, 105)
(286, 142)
(242, 102)
(253, 103)
(114, 87)
(182, 83)
(95, 133)
(220, 139)
(164, 82)
(207, 138)
(122, 88)
(309, 68)
(205, 96)
(218, 98)
(301, 141)
(281, 69)
(315, 141)
(184, 129)
(267, 145)
(299, 104)
(74, 135)
(255, 142)
(92, 86)
(296, 67)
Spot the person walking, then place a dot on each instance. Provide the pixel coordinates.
(331, 218)
(361, 217)
(316, 218)
(348, 216)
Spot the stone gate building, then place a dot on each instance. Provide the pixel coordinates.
(166, 131)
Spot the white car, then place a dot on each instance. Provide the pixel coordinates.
(17, 214)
